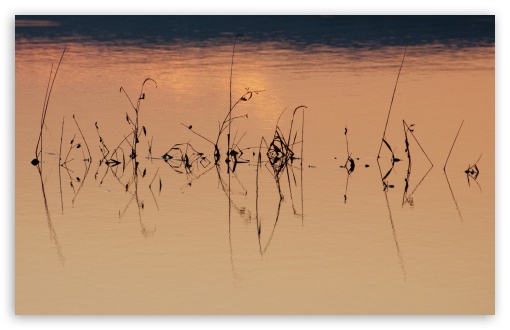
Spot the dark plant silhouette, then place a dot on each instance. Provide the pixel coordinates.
(472, 173)
(391, 104)
(76, 181)
(446, 175)
(125, 154)
(234, 153)
(408, 197)
(349, 165)
(280, 158)
(49, 89)
(38, 160)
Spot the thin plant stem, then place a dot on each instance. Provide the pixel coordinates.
(59, 167)
(391, 104)
(453, 144)
(410, 131)
(83, 138)
(49, 88)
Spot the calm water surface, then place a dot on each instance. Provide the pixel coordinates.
(337, 243)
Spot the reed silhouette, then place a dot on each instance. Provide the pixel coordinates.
(72, 169)
(391, 104)
(51, 81)
(53, 233)
(407, 198)
(349, 165)
(453, 197)
(393, 159)
(111, 163)
(281, 151)
(125, 154)
(234, 153)
(183, 158)
(472, 173)
(263, 249)
(281, 155)
(453, 144)
(395, 238)
(38, 160)
(446, 175)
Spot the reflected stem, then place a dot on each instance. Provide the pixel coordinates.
(453, 196)
(53, 233)
(399, 254)
(60, 166)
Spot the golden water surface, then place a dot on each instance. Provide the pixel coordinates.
(337, 243)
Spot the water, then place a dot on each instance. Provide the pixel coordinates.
(337, 243)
